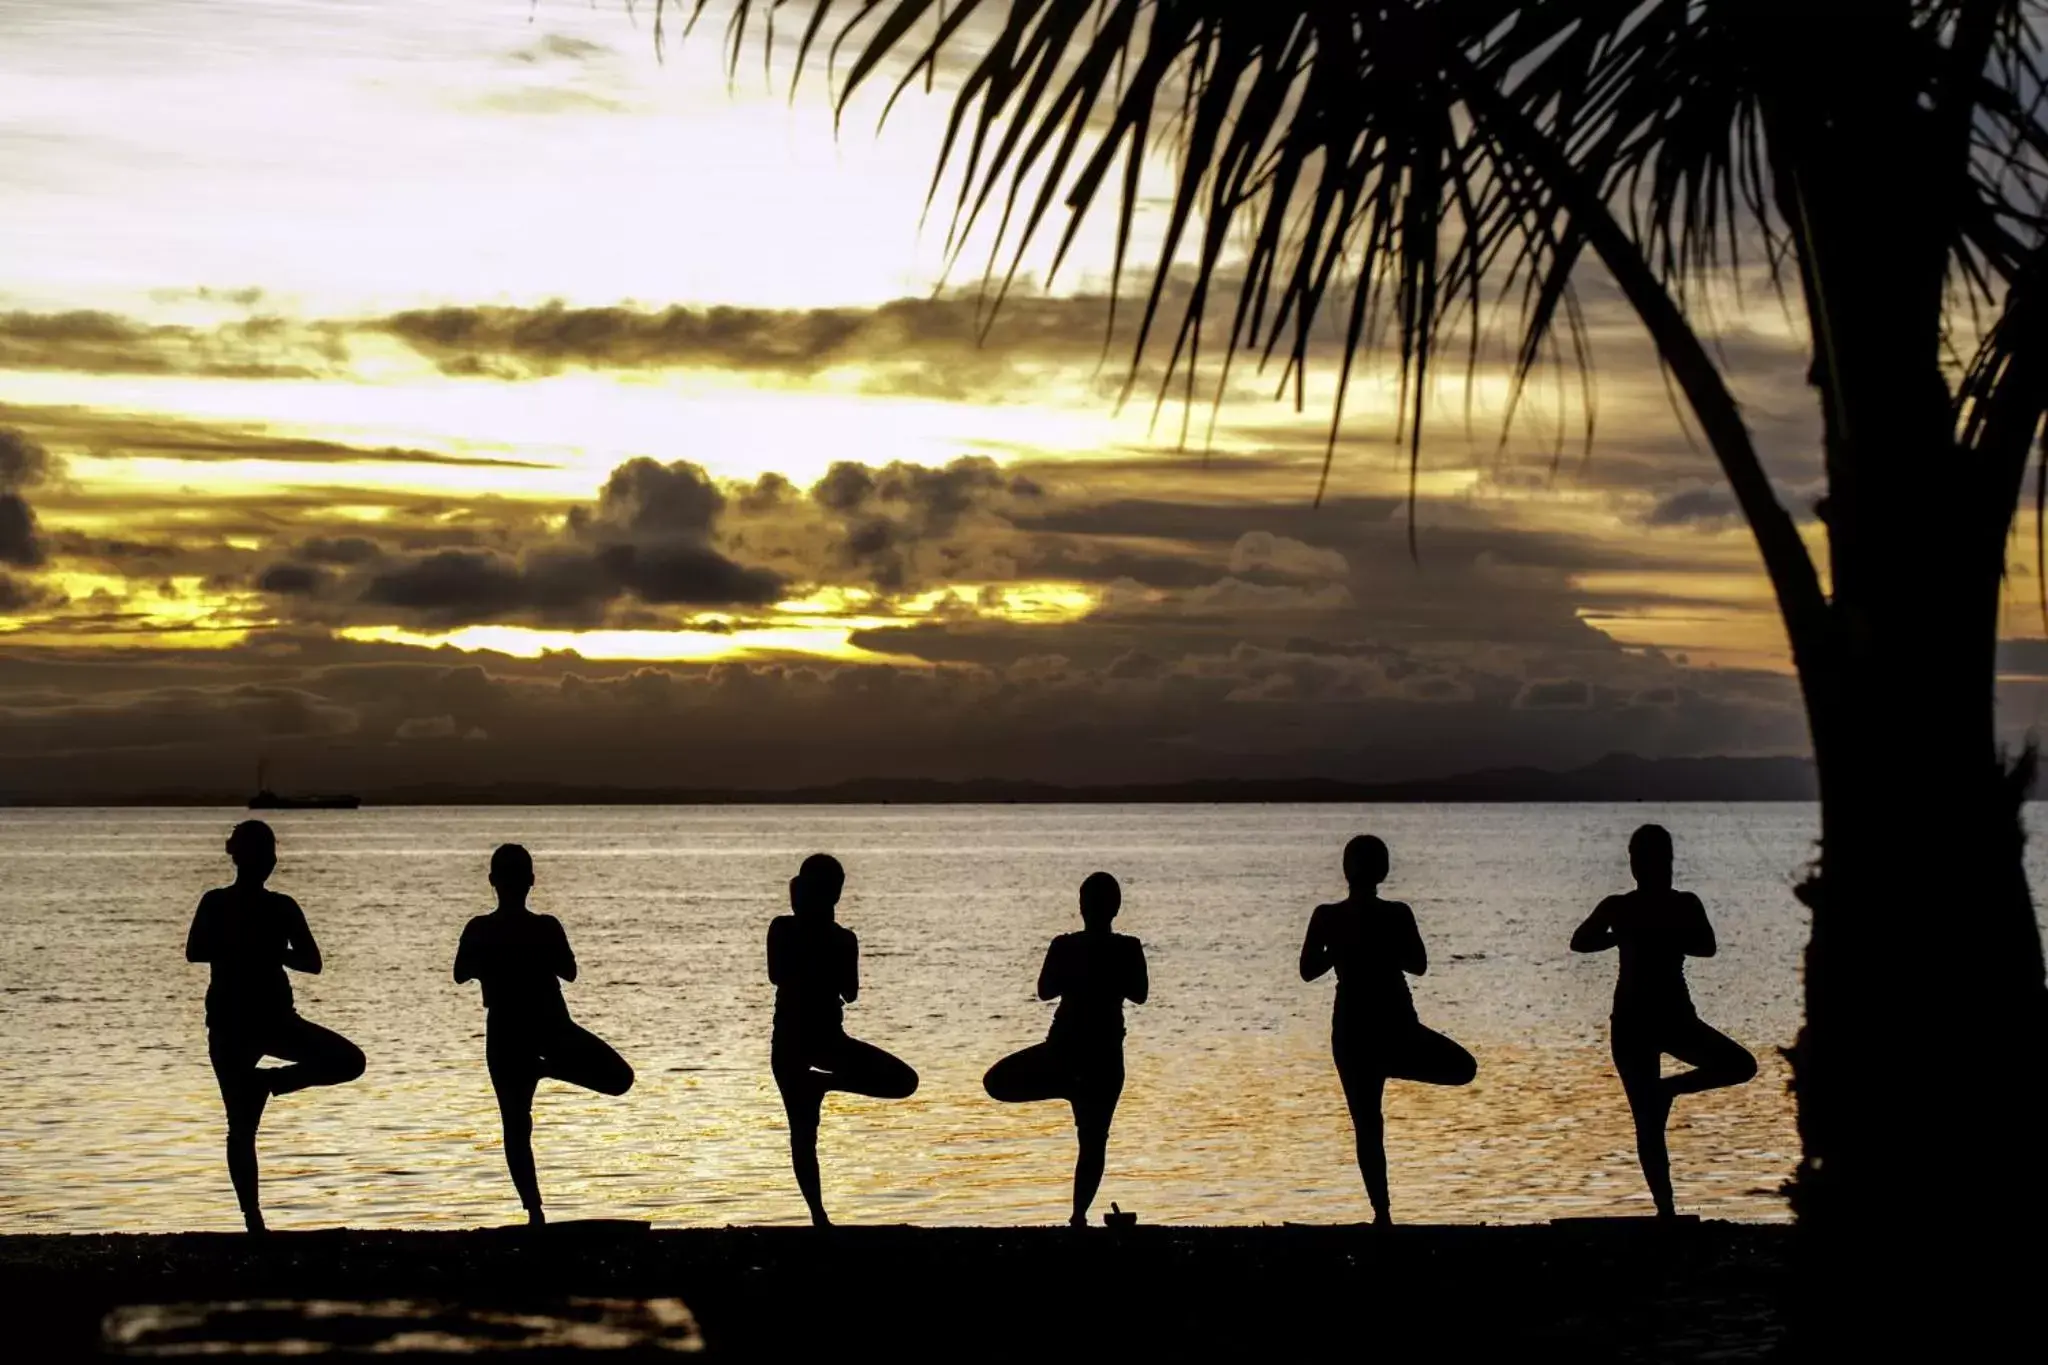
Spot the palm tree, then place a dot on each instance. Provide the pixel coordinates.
(1402, 166)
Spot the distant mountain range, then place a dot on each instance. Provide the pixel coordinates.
(1618, 777)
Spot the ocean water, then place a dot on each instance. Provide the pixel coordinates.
(109, 1119)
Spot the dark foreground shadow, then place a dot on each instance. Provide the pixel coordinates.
(1649, 1292)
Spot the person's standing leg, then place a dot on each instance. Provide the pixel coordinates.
(243, 1094)
(514, 1074)
(319, 1056)
(803, 1095)
(1637, 1051)
(1364, 1087)
(1095, 1097)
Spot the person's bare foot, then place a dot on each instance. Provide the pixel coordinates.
(536, 1217)
(253, 1221)
(1382, 1218)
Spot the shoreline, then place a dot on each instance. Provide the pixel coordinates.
(1597, 1289)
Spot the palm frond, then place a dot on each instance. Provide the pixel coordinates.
(1352, 161)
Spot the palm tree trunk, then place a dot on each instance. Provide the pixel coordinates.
(1917, 1068)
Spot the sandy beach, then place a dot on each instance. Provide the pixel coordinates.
(1621, 1290)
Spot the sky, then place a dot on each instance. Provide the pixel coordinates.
(466, 391)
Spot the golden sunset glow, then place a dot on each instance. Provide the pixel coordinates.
(818, 641)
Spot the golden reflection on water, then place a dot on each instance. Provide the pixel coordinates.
(1231, 1114)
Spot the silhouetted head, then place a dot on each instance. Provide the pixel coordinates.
(814, 891)
(1649, 856)
(1365, 861)
(512, 868)
(253, 846)
(1101, 898)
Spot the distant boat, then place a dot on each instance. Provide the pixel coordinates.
(266, 799)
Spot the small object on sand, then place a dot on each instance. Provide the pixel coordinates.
(1117, 1218)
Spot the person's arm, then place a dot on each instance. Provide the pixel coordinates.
(301, 952)
(1052, 975)
(849, 986)
(1414, 956)
(465, 956)
(564, 957)
(1695, 930)
(1316, 957)
(199, 944)
(778, 950)
(1140, 984)
(1596, 935)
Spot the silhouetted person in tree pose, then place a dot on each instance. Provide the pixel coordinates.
(1657, 929)
(1375, 946)
(522, 959)
(815, 965)
(250, 935)
(1081, 1060)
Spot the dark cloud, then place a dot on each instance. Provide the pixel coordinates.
(19, 594)
(950, 347)
(23, 463)
(644, 498)
(688, 575)
(1213, 521)
(902, 527)
(1693, 506)
(464, 587)
(92, 342)
(169, 438)
(766, 493)
(19, 543)
(647, 537)
(946, 346)
(514, 342)
(172, 719)
(291, 580)
(1263, 552)
(341, 550)
(427, 727)
(342, 715)
(1570, 694)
